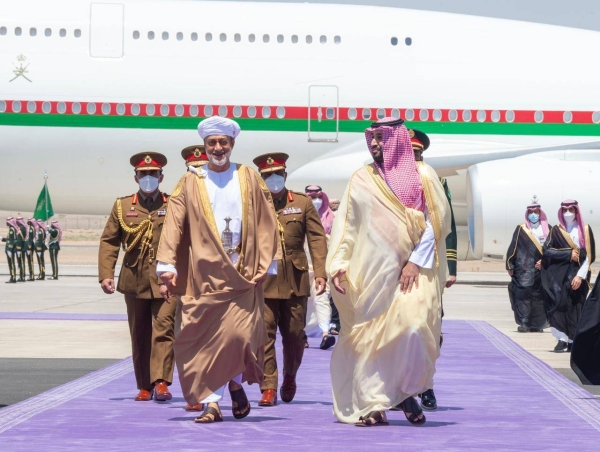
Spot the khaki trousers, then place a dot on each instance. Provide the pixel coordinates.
(290, 317)
(151, 324)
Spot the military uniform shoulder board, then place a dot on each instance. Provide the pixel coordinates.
(165, 197)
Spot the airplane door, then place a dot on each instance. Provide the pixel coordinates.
(106, 30)
(323, 113)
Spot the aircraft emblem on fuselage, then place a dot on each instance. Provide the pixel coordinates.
(21, 70)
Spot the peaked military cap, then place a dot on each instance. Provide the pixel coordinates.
(195, 155)
(268, 163)
(148, 161)
(419, 140)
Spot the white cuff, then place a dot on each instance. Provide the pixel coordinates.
(424, 253)
(583, 271)
(272, 268)
(161, 268)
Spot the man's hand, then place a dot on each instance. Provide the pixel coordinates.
(164, 292)
(576, 283)
(510, 272)
(319, 286)
(538, 265)
(170, 280)
(337, 279)
(408, 277)
(451, 281)
(108, 286)
(575, 255)
(261, 281)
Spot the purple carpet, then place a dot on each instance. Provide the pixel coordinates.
(492, 395)
(59, 316)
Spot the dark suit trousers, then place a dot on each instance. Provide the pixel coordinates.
(290, 317)
(151, 324)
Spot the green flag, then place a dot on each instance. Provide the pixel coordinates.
(43, 208)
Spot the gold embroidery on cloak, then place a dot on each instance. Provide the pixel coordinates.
(431, 201)
(568, 238)
(242, 176)
(535, 241)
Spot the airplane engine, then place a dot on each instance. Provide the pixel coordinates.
(498, 193)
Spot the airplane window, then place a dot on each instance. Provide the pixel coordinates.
(596, 117)
(150, 35)
(323, 39)
(509, 116)
(466, 115)
(223, 111)
(91, 108)
(2, 106)
(193, 110)
(77, 33)
(194, 36)
(279, 39)
(337, 40)
(495, 116)
(18, 31)
(352, 114)
(179, 36)
(165, 35)
(76, 108)
(61, 107)
(280, 112)
(135, 109)
(208, 110)
(396, 113)
(394, 41)
(150, 110)
(16, 106)
(223, 37)
(567, 117)
(410, 114)
(453, 115)
(538, 116)
(208, 37)
(31, 106)
(237, 37)
(3, 31)
(380, 113)
(424, 114)
(105, 108)
(366, 113)
(32, 32)
(481, 115)
(136, 34)
(437, 115)
(48, 32)
(251, 37)
(251, 112)
(237, 111)
(62, 33)
(266, 112)
(266, 38)
(179, 110)
(120, 109)
(329, 113)
(408, 41)
(164, 110)
(294, 39)
(308, 39)
(46, 107)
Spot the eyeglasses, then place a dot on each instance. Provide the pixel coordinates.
(222, 141)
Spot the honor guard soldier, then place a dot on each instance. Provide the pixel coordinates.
(21, 247)
(287, 292)
(135, 223)
(54, 239)
(420, 142)
(31, 236)
(11, 248)
(40, 248)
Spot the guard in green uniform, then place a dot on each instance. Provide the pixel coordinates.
(40, 248)
(55, 236)
(21, 247)
(286, 293)
(30, 249)
(11, 248)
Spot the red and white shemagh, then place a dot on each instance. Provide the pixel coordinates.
(12, 222)
(58, 228)
(543, 218)
(399, 169)
(578, 219)
(33, 222)
(22, 222)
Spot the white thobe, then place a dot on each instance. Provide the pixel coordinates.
(424, 252)
(573, 231)
(538, 232)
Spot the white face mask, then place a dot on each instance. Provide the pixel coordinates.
(148, 184)
(569, 217)
(317, 202)
(275, 183)
(221, 162)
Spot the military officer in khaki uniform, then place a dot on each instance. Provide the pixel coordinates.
(136, 223)
(287, 292)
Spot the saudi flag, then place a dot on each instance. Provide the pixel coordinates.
(43, 208)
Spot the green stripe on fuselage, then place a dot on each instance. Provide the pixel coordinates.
(290, 125)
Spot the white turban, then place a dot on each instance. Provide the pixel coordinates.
(216, 125)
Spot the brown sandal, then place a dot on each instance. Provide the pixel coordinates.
(373, 419)
(412, 410)
(205, 418)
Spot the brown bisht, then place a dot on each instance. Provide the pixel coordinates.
(525, 288)
(223, 332)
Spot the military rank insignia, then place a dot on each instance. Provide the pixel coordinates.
(162, 212)
(292, 210)
(132, 214)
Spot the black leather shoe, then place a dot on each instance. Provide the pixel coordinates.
(561, 346)
(11, 281)
(570, 347)
(21, 280)
(327, 342)
(536, 330)
(523, 328)
(428, 401)
(30, 279)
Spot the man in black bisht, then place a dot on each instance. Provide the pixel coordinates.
(568, 253)
(524, 263)
(585, 356)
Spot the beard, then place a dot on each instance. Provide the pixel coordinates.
(221, 162)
